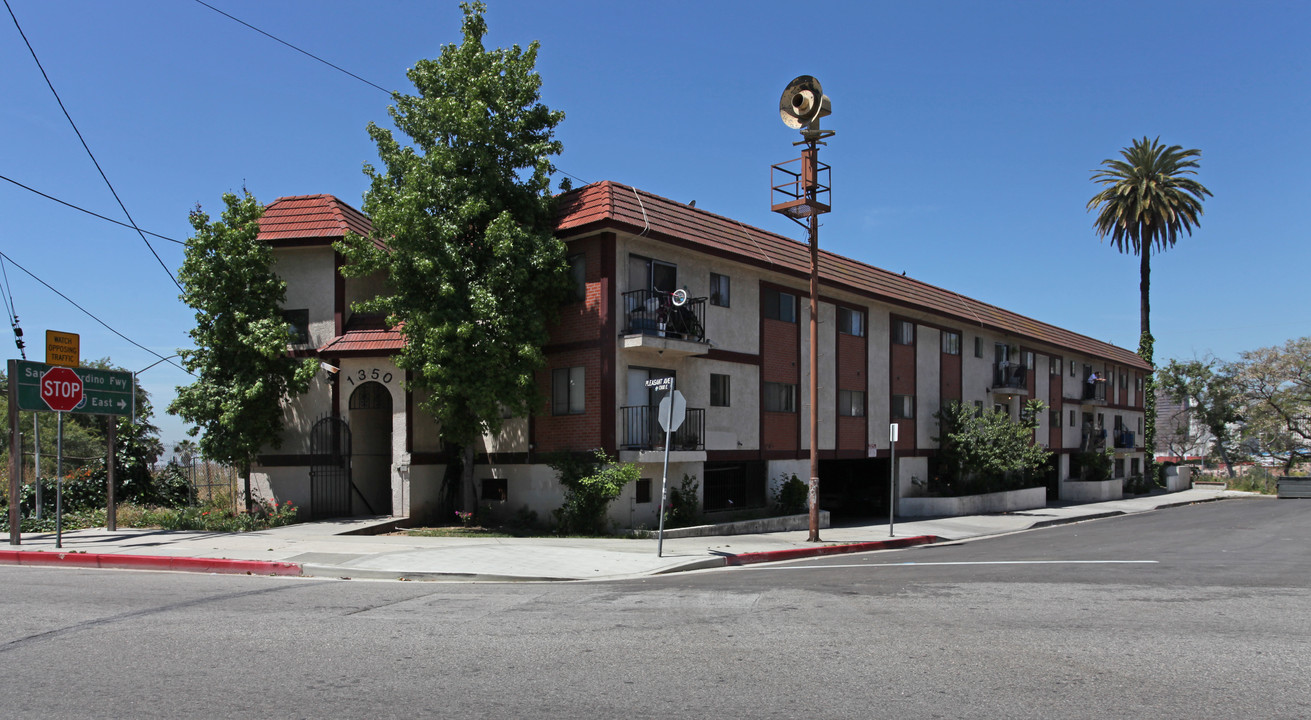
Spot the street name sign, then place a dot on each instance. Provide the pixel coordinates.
(103, 392)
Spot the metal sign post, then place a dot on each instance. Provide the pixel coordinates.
(892, 476)
(670, 419)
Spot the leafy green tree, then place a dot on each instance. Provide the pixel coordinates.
(474, 272)
(1212, 397)
(242, 367)
(1147, 199)
(987, 452)
(1275, 383)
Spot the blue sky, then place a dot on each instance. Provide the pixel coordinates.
(966, 136)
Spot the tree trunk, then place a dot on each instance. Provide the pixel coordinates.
(1224, 457)
(470, 494)
(1144, 288)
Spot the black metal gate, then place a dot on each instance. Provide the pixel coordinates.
(330, 473)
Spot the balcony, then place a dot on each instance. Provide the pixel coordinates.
(1124, 439)
(1010, 377)
(643, 440)
(653, 322)
(1093, 440)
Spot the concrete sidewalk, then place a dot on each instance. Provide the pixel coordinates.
(322, 550)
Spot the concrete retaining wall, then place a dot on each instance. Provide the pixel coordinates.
(1011, 500)
(1092, 491)
(1178, 477)
(746, 527)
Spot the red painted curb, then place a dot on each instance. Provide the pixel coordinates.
(822, 550)
(149, 562)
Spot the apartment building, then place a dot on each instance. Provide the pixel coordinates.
(891, 350)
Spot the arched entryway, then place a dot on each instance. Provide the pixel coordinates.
(370, 421)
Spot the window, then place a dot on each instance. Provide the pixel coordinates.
(718, 390)
(1133, 467)
(648, 274)
(567, 391)
(780, 397)
(780, 305)
(718, 290)
(1124, 381)
(1119, 467)
(1029, 362)
(950, 342)
(903, 332)
(298, 326)
(1072, 368)
(1101, 420)
(644, 491)
(578, 271)
(1072, 418)
(851, 322)
(1054, 418)
(1140, 426)
(1053, 366)
(1139, 382)
(903, 406)
(978, 408)
(851, 403)
(978, 346)
(494, 489)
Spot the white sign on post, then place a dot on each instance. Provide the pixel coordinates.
(672, 418)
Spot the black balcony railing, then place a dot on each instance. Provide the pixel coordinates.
(1095, 390)
(1124, 439)
(1094, 439)
(642, 429)
(652, 312)
(1010, 375)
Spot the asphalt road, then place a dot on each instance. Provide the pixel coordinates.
(1194, 612)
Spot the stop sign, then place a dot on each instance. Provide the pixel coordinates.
(61, 389)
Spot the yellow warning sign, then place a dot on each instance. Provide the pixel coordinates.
(63, 348)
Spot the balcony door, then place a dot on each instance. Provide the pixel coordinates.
(639, 416)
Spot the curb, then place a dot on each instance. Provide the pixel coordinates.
(149, 562)
(799, 553)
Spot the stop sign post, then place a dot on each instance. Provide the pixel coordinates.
(61, 389)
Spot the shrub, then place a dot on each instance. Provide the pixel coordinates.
(792, 496)
(684, 509)
(590, 487)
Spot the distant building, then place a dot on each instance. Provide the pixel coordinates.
(1179, 435)
(892, 349)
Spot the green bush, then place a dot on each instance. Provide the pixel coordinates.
(590, 487)
(792, 496)
(684, 509)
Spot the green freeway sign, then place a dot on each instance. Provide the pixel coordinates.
(104, 392)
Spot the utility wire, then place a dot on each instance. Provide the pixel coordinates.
(12, 310)
(88, 149)
(293, 47)
(88, 212)
(306, 53)
(92, 316)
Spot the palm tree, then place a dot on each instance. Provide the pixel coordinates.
(1147, 198)
(186, 450)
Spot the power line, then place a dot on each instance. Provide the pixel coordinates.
(88, 212)
(88, 148)
(306, 53)
(293, 47)
(89, 314)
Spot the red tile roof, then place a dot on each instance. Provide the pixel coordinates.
(365, 335)
(610, 204)
(301, 218)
